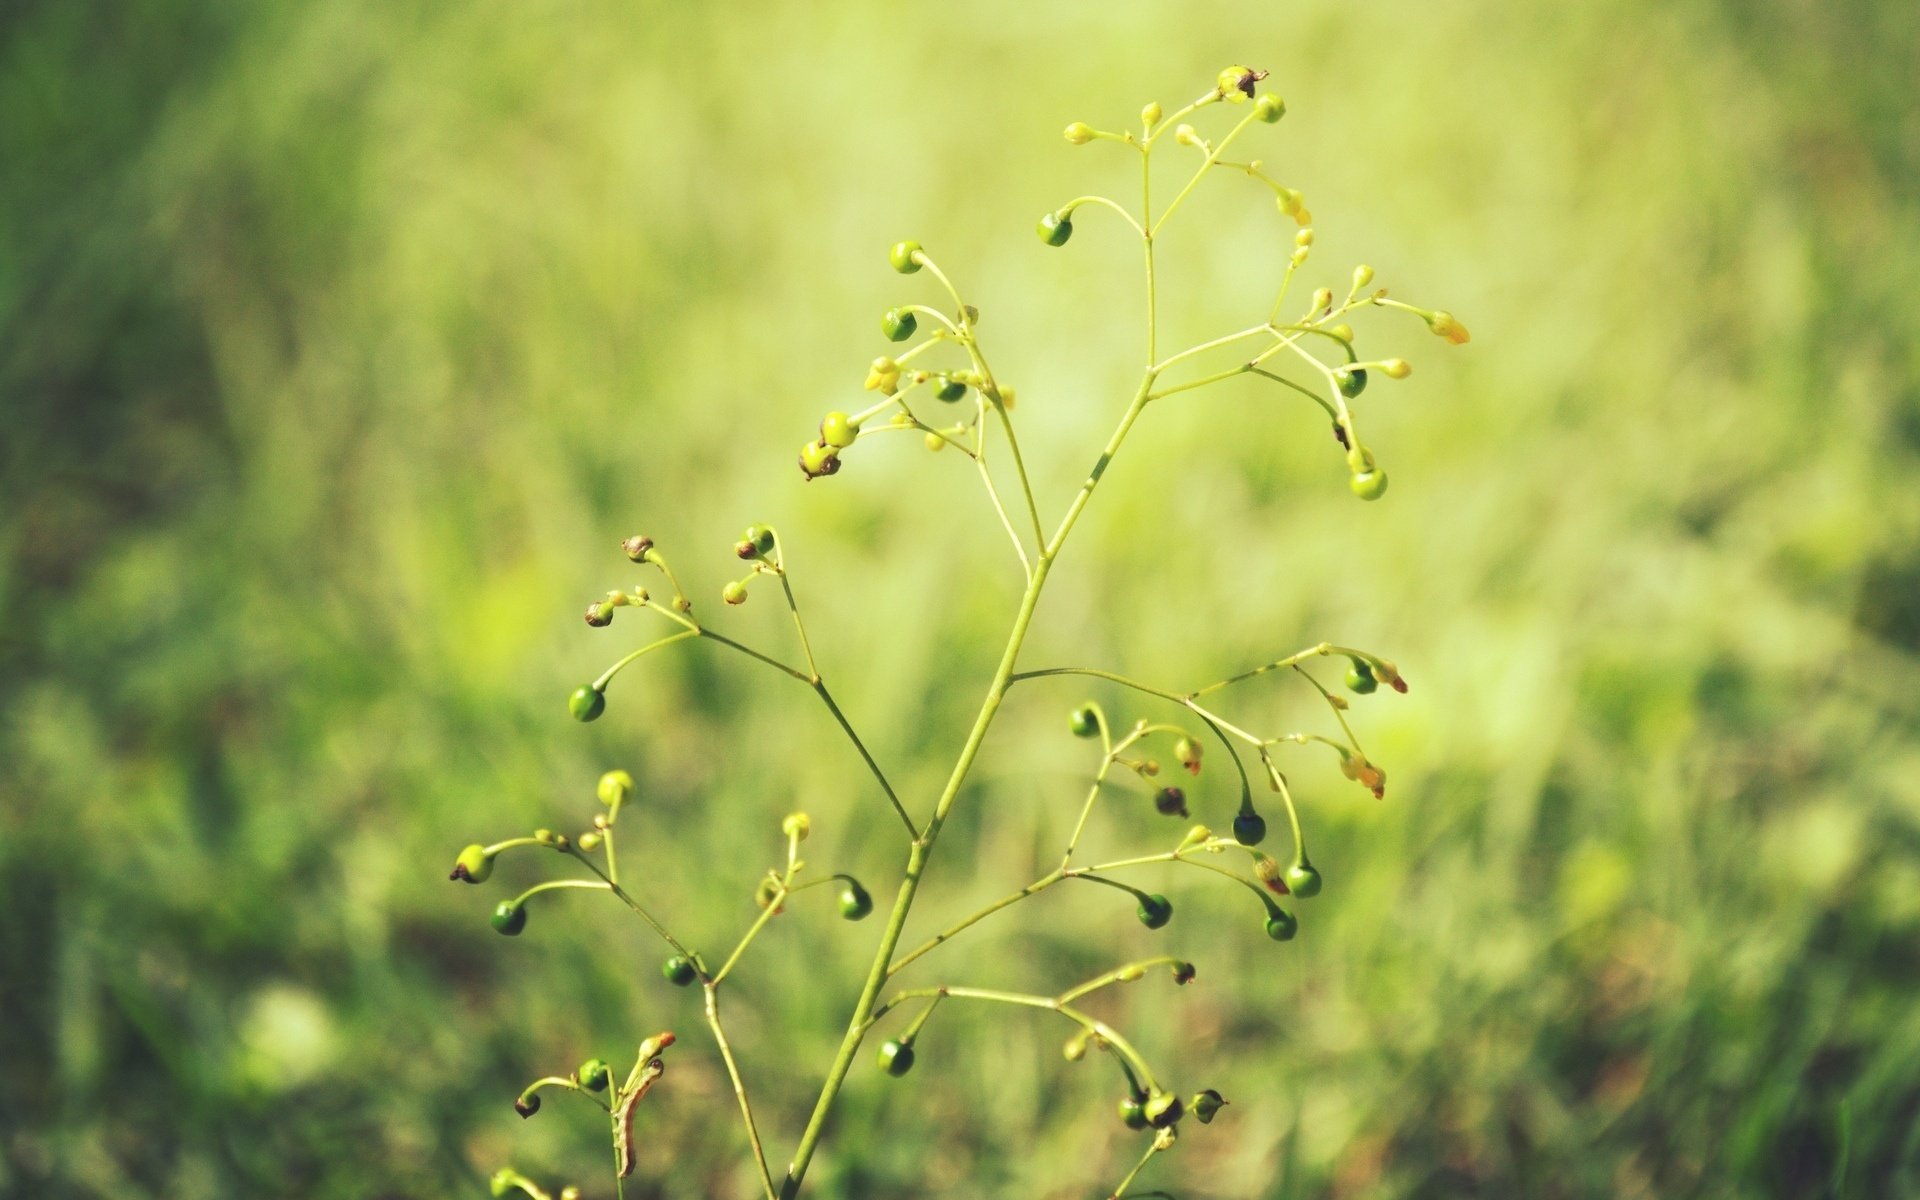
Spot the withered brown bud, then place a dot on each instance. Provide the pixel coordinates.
(637, 546)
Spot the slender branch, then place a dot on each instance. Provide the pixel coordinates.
(627, 899)
(739, 1086)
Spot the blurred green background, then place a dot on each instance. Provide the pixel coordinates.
(341, 342)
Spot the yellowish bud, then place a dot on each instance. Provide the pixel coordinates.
(796, 826)
(1449, 327)
(1079, 133)
(1362, 276)
(1397, 368)
(1150, 115)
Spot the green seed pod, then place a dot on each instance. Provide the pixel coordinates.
(1163, 1109)
(615, 788)
(1155, 911)
(896, 1058)
(1352, 381)
(1133, 1112)
(679, 970)
(1369, 485)
(1055, 229)
(1206, 1104)
(855, 904)
(902, 257)
(1270, 108)
(1170, 802)
(1249, 829)
(950, 390)
(1360, 678)
(586, 703)
(838, 430)
(636, 547)
(1303, 879)
(594, 1074)
(526, 1105)
(1084, 722)
(734, 593)
(759, 541)
(473, 865)
(509, 918)
(599, 614)
(1281, 925)
(898, 324)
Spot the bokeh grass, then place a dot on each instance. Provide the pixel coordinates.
(340, 342)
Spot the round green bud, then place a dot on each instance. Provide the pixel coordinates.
(473, 865)
(949, 390)
(902, 257)
(734, 593)
(1079, 133)
(896, 1058)
(1055, 229)
(594, 1075)
(509, 918)
(838, 429)
(679, 970)
(898, 324)
(1170, 802)
(1270, 108)
(760, 538)
(1133, 1112)
(590, 840)
(796, 826)
(1155, 911)
(1084, 722)
(1249, 829)
(1163, 1109)
(1369, 485)
(615, 788)
(1302, 879)
(855, 903)
(586, 703)
(1281, 926)
(1360, 678)
(1352, 381)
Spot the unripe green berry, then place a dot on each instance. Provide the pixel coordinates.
(1352, 381)
(902, 257)
(950, 390)
(1302, 879)
(1084, 722)
(1163, 1109)
(1155, 911)
(615, 788)
(855, 903)
(1055, 229)
(679, 970)
(586, 703)
(898, 324)
(1133, 1112)
(1206, 1104)
(509, 918)
(1281, 925)
(759, 540)
(473, 865)
(838, 429)
(818, 458)
(1360, 678)
(896, 1058)
(734, 593)
(1270, 108)
(594, 1075)
(527, 1105)
(1369, 485)
(1249, 829)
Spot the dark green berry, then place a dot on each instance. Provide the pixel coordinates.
(526, 1105)
(901, 256)
(1171, 802)
(898, 324)
(509, 918)
(760, 538)
(1084, 722)
(679, 970)
(1281, 926)
(473, 865)
(1163, 1109)
(594, 1075)
(1055, 229)
(586, 703)
(896, 1058)
(1133, 1112)
(949, 389)
(1249, 829)
(1352, 381)
(1155, 911)
(855, 903)
(1206, 1104)
(1360, 678)
(1302, 879)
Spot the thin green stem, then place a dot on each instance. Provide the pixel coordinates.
(606, 676)
(1153, 1148)
(1213, 155)
(1037, 886)
(1123, 974)
(739, 1086)
(627, 899)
